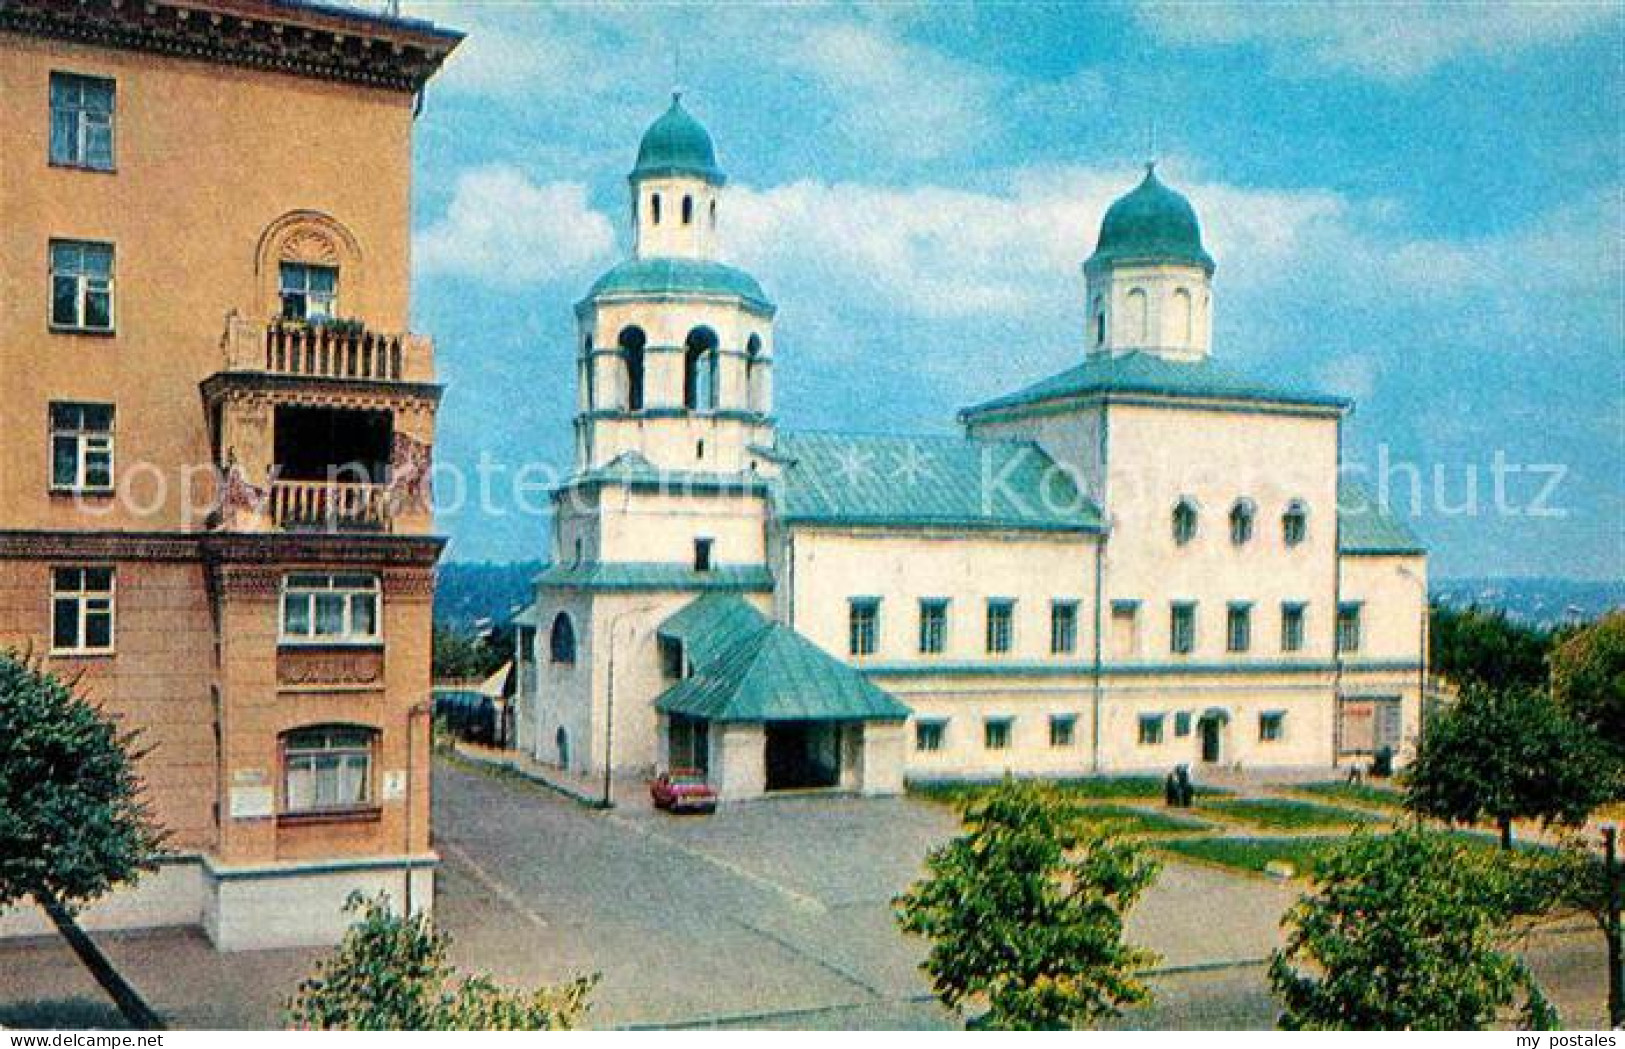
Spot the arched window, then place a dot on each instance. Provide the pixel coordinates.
(327, 767)
(1100, 325)
(1295, 523)
(713, 214)
(1184, 522)
(632, 340)
(1182, 318)
(688, 210)
(561, 640)
(589, 395)
(1241, 522)
(700, 370)
(1137, 319)
(654, 209)
(754, 375)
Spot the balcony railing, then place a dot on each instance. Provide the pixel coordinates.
(330, 506)
(333, 351)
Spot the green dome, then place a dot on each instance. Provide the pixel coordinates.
(677, 144)
(675, 276)
(1151, 224)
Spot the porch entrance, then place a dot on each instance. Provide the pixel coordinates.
(803, 755)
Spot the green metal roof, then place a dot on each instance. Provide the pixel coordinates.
(634, 471)
(1152, 223)
(645, 575)
(677, 144)
(1365, 526)
(526, 616)
(748, 668)
(676, 276)
(874, 480)
(1155, 375)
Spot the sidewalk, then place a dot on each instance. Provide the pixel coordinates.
(583, 789)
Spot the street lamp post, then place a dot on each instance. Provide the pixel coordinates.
(608, 801)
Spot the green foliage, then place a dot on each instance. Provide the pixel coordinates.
(1123, 819)
(1283, 813)
(1475, 646)
(1407, 931)
(1588, 678)
(1368, 795)
(1089, 788)
(74, 821)
(466, 656)
(1255, 854)
(1025, 913)
(391, 974)
(1508, 754)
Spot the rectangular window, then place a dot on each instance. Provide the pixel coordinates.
(1182, 724)
(863, 626)
(1063, 730)
(326, 769)
(702, 554)
(930, 735)
(1238, 628)
(1348, 627)
(320, 609)
(1125, 628)
(672, 664)
(1063, 627)
(1292, 627)
(82, 610)
(1390, 723)
(1000, 624)
(933, 626)
(1151, 730)
(81, 286)
(82, 121)
(1271, 726)
(81, 447)
(996, 733)
(1182, 628)
(309, 293)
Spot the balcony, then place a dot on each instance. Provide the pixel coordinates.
(331, 506)
(341, 352)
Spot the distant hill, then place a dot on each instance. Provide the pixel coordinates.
(1537, 602)
(473, 596)
(471, 593)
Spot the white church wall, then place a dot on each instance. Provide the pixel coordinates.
(662, 527)
(1071, 438)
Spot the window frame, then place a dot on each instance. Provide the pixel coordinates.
(81, 159)
(1063, 725)
(1176, 610)
(1063, 612)
(1238, 614)
(284, 291)
(1350, 615)
(1150, 730)
(312, 638)
(289, 753)
(85, 597)
(1294, 625)
(83, 438)
(999, 635)
(1297, 511)
(933, 639)
(862, 626)
(705, 553)
(83, 281)
(1272, 726)
(1185, 522)
(998, 732)
(1243, 516)
(937, 729)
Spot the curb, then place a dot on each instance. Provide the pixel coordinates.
(513, 768)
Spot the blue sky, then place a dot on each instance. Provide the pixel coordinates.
(1419, 206)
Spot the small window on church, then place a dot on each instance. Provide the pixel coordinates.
(1100, 328)
(688, 210)
(1295, 523)
(713, 214)
(1184, 522)
(654, 209)
(1241, 522)
(702, 554)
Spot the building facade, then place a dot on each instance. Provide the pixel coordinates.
(216, 436)
(1145, 561)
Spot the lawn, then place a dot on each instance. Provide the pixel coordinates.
(1282, 813)
(1254, 854)
(1090, 788)
(1366, 794)
(1141, 821)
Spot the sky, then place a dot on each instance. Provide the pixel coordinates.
(1419, 206)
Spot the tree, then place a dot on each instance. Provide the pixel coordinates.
(1025, 913)
(1507, 754)
(1588, 678)
(1475, 646)
(390, 973)
(1406, 931)
(460, 656)
(74, 819)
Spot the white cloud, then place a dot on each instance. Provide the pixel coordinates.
(1390, 42)
(503, 229)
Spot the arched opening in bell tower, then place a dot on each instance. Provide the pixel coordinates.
(632, 341)
(700, 370)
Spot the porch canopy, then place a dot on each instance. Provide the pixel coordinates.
(747, 668)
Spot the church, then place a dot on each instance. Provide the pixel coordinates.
(1145, 561)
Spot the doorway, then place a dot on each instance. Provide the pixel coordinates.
(1211, 729)
(803, 755)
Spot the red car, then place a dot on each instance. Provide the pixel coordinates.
(683, 790)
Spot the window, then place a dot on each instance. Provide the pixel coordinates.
(1063, 730)
(1238, 628)
(1182, 628)
(933, 625)
(672, 663)
(1000, 624)
(1182, 724)
(631, 342)
(930, 735)
(688, 210)
(1390, 723)
(1125, 628)
(81, 447)
(1348, 627)
(82, 121)
(1241, 523)
(1271, 726)
(81, 286)
(327, 768)
(1151, 730)
(81, 610)
(1100, 324)
(996, 733)
(654, 208)
(1295, 523)
(863, 626)
(700, 370)
(1184, 523)
(561, 640)
(330, 609)
(702, 554)
(1292, 627)
(309, 293)
(1063, 627)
